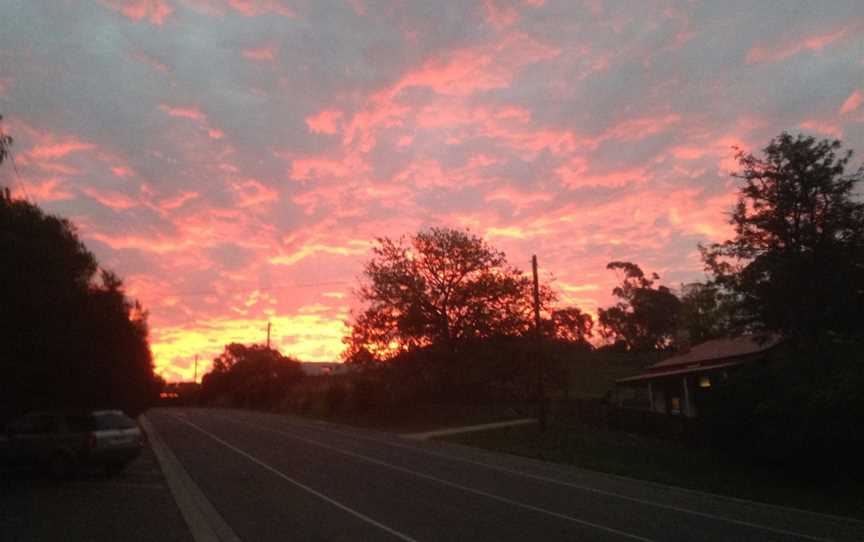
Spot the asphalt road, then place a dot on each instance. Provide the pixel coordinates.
(277, 478)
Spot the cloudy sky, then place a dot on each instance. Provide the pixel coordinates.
(234, 159)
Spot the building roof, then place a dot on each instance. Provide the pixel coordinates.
(714, 354)
(680, 371)
(718, 349)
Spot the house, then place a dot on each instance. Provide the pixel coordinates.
(674, 386)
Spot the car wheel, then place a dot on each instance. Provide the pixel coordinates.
(62, 466)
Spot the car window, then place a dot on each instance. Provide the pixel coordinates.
(113, 421)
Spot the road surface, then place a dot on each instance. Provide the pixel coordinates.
(271, 477)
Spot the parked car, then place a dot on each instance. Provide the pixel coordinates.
(65, 441)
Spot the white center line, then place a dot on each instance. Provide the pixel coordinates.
(304, 487)
(450, 484)
(580, 487)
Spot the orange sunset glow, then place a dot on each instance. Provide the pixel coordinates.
(234, 161)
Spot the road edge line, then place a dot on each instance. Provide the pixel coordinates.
(426, 435)
(204, 522)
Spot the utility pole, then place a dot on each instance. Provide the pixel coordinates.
(195, 379)
(541, 386)
(268, 335)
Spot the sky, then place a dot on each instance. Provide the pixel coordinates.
(234, 160)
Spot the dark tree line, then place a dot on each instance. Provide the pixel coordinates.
(69, 336)
(249, 376)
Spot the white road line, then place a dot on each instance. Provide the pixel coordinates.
(468, 429)
(280, 474)
(204, 522)
(588, 488)
(448, 483)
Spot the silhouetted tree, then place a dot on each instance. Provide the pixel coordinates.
(572, 325)
(645, 318)
(252, 376)
(797, 259)
(706, 313)
(796, 267)
(67, 338)
(440, 286)
(5, 142)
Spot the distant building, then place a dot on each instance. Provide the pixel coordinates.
(322, 368)
(674, 385)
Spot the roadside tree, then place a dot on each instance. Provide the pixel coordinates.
(442, 287)
(68, 339)
(796, 261)
(645, 318)
(252, 376)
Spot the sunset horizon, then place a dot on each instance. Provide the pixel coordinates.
(234, 162)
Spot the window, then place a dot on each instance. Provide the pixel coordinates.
(704, 381)
(675, 405)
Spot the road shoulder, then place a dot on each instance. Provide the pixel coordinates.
(204, 521)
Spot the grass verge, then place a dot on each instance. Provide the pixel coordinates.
(659, 461)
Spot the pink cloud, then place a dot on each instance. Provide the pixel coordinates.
(519, 199)
(473, 70)
(109, 198)
(578, 178)
(325, 122)
(252, 192)
(641, 127)
(156, 11)
(5, 84)
(150, 61)
(191, 113)
(52, 189)
(215, 134)
(252, 8)
(349, 248)
(781, 51)
(307, 168)
(59, 150)
(358, 6)
(169, 204)
(122, 171)
(499, 16)
(852, 102)
(266, 53)
(823, 127)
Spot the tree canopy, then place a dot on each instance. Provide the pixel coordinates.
(796, 262)
(645, 318)
(253, 376)
(69, 334)
(446, 287)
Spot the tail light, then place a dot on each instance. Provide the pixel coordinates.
(91, 441)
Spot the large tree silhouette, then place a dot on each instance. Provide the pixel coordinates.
(645, 318)
(796, 262)
(254, 376)
(441, 287)
(67, 338)
(796, 267)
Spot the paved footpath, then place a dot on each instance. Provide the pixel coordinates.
(254, 476)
